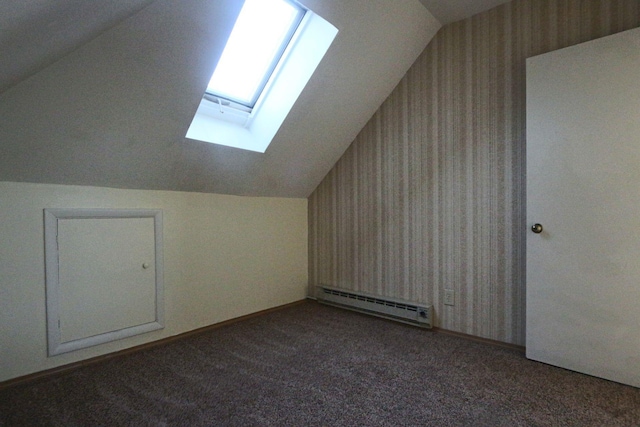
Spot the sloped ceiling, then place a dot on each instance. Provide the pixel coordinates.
(102, 93)
(454, 10)
(35, 33)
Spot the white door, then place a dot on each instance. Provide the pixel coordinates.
(583, 187)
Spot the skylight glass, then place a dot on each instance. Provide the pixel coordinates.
(232, 124)
(260, 35)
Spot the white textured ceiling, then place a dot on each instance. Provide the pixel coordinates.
(102, 93)
(447, 11)
(35, 33)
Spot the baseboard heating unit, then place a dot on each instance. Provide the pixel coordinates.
(402, 311)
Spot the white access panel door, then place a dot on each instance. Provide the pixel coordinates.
(104, 284)
(583, 187)
(102, 276)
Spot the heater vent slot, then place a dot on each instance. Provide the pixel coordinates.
(402, 311)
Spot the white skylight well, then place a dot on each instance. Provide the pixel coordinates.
(259, 38)
(271, 54)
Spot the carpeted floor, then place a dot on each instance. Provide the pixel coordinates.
(313, 365)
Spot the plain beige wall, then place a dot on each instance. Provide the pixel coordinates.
(224, 257)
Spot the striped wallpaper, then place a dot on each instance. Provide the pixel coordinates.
(431, 194)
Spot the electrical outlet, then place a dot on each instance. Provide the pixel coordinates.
(449, 297)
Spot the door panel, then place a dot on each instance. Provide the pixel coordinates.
(107, 275)
(104, 275)
(583, 186)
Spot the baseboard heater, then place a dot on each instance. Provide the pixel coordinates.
(402, 311)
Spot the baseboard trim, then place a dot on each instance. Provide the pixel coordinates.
(494, 343)
(436, 329)
(82, 363)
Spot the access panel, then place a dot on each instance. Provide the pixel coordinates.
(104, 275)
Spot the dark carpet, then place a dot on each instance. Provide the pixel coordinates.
(313, 365)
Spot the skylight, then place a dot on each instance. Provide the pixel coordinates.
(260, 35)
(246, 102)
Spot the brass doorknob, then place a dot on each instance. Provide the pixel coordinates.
(536, 228)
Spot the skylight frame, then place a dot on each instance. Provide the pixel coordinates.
(223, 125)
(278, 57)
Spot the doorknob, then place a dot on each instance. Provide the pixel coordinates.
(536, 228)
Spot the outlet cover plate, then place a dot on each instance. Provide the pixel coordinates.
(449, 297)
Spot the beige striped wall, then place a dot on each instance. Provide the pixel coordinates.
(431, 194)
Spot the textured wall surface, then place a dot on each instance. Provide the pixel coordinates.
(431, 194)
